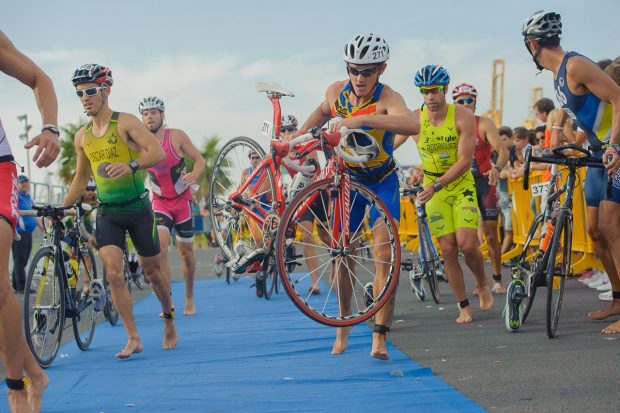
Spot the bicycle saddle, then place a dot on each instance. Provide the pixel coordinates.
(273, 88)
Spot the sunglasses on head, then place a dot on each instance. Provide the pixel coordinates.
(464, 101)
(91, 91)
(288, 129)
(364, 72)
(431, 90)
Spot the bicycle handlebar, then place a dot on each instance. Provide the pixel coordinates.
(559, 158)
(48, 211)
(411, 191)
(308, 169)
(333, 140)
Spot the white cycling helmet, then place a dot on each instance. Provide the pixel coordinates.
(358, 142)
(151, 102)
(542, 24)
(366, 49)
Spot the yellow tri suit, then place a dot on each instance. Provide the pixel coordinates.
(455, 205)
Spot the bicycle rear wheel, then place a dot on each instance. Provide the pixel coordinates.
(529, 265)
(44, 306)
(85, 321)
(558, 269)
(429, 265)
(231, 224)
(354, 267)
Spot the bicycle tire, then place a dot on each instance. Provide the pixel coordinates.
(234, 156)
(529, 271)
(429, 266)
(270, 279)
(109, 310)
(557, 273)
(44, 323)
(328, 311)
(85, 322)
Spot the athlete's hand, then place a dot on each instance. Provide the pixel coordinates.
(611, 160)
(189, 178)
(354, 122)
(92, 241)
(426, 194)
(118, 169)
(493, 175)
(48, 148)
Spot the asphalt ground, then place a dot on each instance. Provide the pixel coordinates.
(502, 371)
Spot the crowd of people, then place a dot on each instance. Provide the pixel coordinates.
(463, 183)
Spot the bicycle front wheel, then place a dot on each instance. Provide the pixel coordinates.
(85, 320)
(232, 224)
(558, 269)
(44, 306)
(342, 269)
(429, 264)
(529, 265)
(109, 310)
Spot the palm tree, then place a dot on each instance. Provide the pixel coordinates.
(67, 150)
(210, 150)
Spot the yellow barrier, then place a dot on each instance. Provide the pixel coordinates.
(524, 209)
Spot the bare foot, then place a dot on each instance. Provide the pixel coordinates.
(379, 347)
(36, 387)
(465, 315)
(475, 292)
(342, 340)
(18, 401)
(612, 309)
(612, 329)
(190, 307)
(134, 345)
(170, 335)
(485, 297)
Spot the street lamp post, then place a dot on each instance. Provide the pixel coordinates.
(24, 136)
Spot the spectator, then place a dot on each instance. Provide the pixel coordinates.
(505, 204)
(23, 247)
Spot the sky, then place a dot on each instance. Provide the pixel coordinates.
(203, 58)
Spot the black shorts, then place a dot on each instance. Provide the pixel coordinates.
(487, 199)
(140, 226)
(317, 210)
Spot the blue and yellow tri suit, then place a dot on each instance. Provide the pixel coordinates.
(378, 174)
(594, 117)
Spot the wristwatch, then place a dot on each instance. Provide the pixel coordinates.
(437, 186)
(51, 128)
(498, 169)
(134, 165)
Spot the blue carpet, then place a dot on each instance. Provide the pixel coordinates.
(240, 353)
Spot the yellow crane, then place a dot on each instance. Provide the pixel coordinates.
(532, 120)
(497, 93)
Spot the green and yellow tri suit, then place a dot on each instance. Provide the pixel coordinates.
(115, 194)
(455, 205)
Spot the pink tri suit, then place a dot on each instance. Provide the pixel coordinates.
(172, 198)
(9, 211)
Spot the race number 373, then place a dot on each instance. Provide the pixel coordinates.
(539, 189)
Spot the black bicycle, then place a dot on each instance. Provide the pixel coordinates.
(430, 265)
(546, 257)
(61, 286)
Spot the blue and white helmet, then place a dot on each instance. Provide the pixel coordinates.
(151, 102)
(365, 49)
(431, 75)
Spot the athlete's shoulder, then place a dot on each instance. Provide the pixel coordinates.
(177, 133)
(335, 89)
